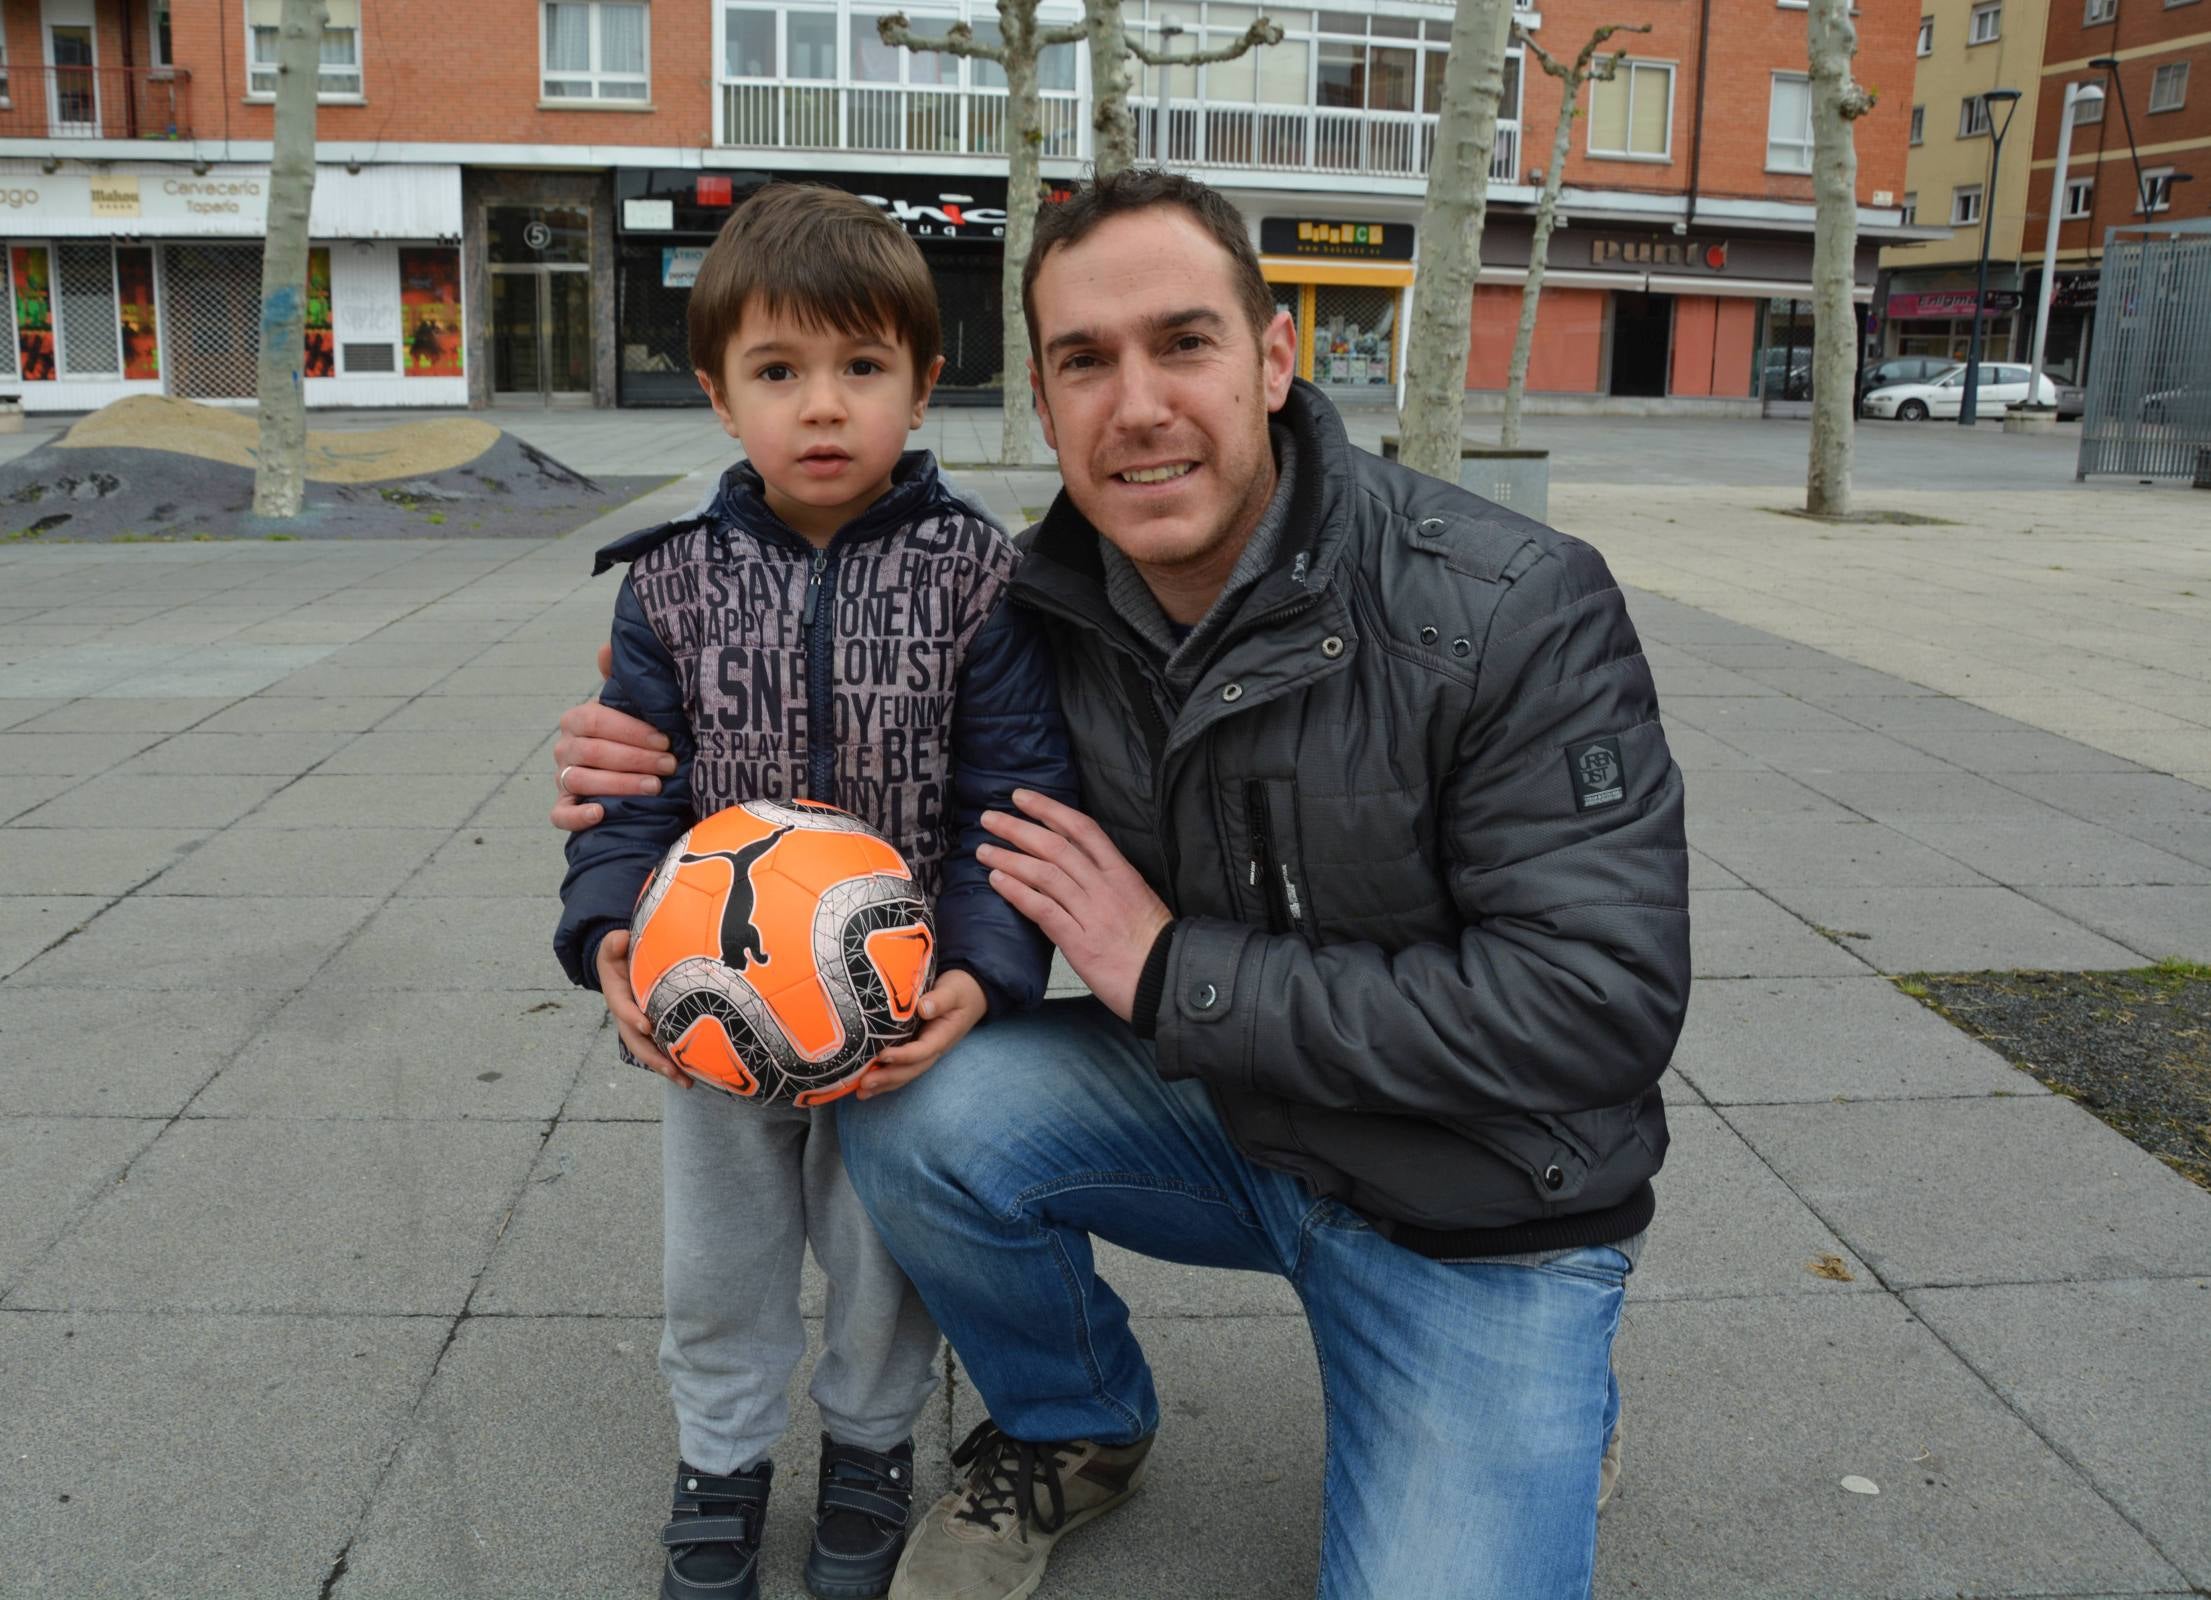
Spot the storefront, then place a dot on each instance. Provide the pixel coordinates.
(2065, 353)
(1930, 313)
(145, 278)
(665, 220)
(1344, 284)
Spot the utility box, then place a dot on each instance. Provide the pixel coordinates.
(1517, 478)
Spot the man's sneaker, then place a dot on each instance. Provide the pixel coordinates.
(989, 1538)
(1608, 1470)
(713, 1536)
(859, 1520)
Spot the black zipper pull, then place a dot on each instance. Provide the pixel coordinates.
(813, 591)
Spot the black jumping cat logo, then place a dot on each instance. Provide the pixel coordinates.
(740, 939)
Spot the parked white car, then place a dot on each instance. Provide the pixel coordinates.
(2002, 384)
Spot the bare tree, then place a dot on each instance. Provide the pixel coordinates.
(1021, 42)
(1586, 66)
(1117, 122)
(1112, 128)
(280, 471)
(1837, 102)
(1448, 255)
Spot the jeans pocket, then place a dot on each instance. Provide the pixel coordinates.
(1596, 1263)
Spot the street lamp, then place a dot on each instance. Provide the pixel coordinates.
(2109, 67)
(2009, 100)
(2078, 96)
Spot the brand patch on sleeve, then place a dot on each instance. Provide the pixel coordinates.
(1600, 776)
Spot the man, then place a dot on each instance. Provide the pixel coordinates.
(1380, 889)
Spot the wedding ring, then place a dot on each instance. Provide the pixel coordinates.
(561, 782)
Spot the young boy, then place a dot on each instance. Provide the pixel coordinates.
(832, 624)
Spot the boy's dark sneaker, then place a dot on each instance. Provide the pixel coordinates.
(860, 1515)
(713, 1536)
(990, 1538)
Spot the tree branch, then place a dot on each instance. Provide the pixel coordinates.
(1067, 33)
(1259, 33)
(959, 40)
(1581, 71)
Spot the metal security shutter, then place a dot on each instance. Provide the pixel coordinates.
(91, 339)
(214, 295)
(655, 333)
(8, 367)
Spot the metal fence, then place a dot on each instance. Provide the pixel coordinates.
(2149, 384)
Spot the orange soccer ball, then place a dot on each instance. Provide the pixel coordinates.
(779, 948)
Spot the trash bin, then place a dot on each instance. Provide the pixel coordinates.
(1518, 478)
(2203, 467)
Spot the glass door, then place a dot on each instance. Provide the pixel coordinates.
(517, 362)
(567, 331)
(540, 333)
(72, 89)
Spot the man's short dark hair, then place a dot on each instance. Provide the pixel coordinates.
(1141, 189)
(826, 257)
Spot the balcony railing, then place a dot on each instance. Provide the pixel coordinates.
(40, 102)
(887, 118)
(1373, 144)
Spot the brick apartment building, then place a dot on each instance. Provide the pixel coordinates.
(512, 195)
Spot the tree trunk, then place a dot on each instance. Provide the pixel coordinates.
(1448, 255)
(1837, 102)
(1546, 213)
(1024, 191)
(279, 478)
(1112, 128)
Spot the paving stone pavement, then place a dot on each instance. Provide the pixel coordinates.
(329, 1225)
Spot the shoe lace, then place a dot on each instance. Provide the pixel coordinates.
(1003, 1474)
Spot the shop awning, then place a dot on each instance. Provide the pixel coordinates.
(169, 200)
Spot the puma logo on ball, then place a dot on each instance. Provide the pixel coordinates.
(741, 945)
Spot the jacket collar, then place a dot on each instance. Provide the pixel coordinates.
(739, 503)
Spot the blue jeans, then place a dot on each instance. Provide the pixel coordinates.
(1467, 1403)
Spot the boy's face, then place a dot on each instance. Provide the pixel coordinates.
(823, 415)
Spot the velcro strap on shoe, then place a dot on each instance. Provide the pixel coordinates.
(705, 1486)
(839, 1496)
(707, 1530)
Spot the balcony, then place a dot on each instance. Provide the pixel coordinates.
(95, 103)
(917, 120)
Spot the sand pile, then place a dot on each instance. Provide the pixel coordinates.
(184, 427)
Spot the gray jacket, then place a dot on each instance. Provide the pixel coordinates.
(1423, 840)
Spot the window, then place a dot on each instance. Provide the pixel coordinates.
(2080, 198)
(2157, 185)
(595, 50)
(2169, 87)
(1965, 206)
(2099, 11)
(1919, 124)
(341, 49)
(1908, 212)
(4, 98)
(1926, 36)
(1973, 120)
(157, 30)
(1789, 124)
(1986, 24)
(1632, 116)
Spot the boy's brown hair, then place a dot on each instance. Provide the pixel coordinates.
(824, 256)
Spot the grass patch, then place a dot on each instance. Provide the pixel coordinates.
(2133, 1047)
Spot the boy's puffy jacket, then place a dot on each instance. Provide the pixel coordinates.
(886, 673)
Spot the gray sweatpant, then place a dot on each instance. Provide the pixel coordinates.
(744, 1189)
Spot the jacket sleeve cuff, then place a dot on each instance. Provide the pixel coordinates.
(1151, 984)
(997, 1002)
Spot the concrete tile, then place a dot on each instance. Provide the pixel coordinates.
(151, 800)
(453, 944)
(217, 753)
(1814, 850)
(230, 668)
(609, 1089)
(2170, 813)
(291, 1412)
(1984, 1191)
(2015, 751)
(413, 801)
(492, 861)
(1851, 750)
(103, 861)
(1705, 873)
(1743, 1417)
(1696, 751)
(1924, 719)
(586, 1235)
(209, 946)
(1735, 718)
(346, 1217)
(18, 795)
(438, 713)
(2117, 1375)
(269, 713)
(91, 667)
(21, 710)
(475, 680)
(2157, 921)
(51, 1169)
(69, 755)
(300, 861)
(523, 801)
(1756, 1041)
(31, 923)
(324, 681)
(1893, 797)
(438, 751)
(2054, 851)
(1737, 933)
(1953, 930)
(1725, 797)
(115, 1052)
(432, 1056)
(1727, 1226)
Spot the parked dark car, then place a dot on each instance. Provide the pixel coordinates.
(1898, 369)
(2072, 402)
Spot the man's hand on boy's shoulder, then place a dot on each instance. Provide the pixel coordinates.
(601, 752)
(949, 1010)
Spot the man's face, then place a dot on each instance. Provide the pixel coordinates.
(1154, 390)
